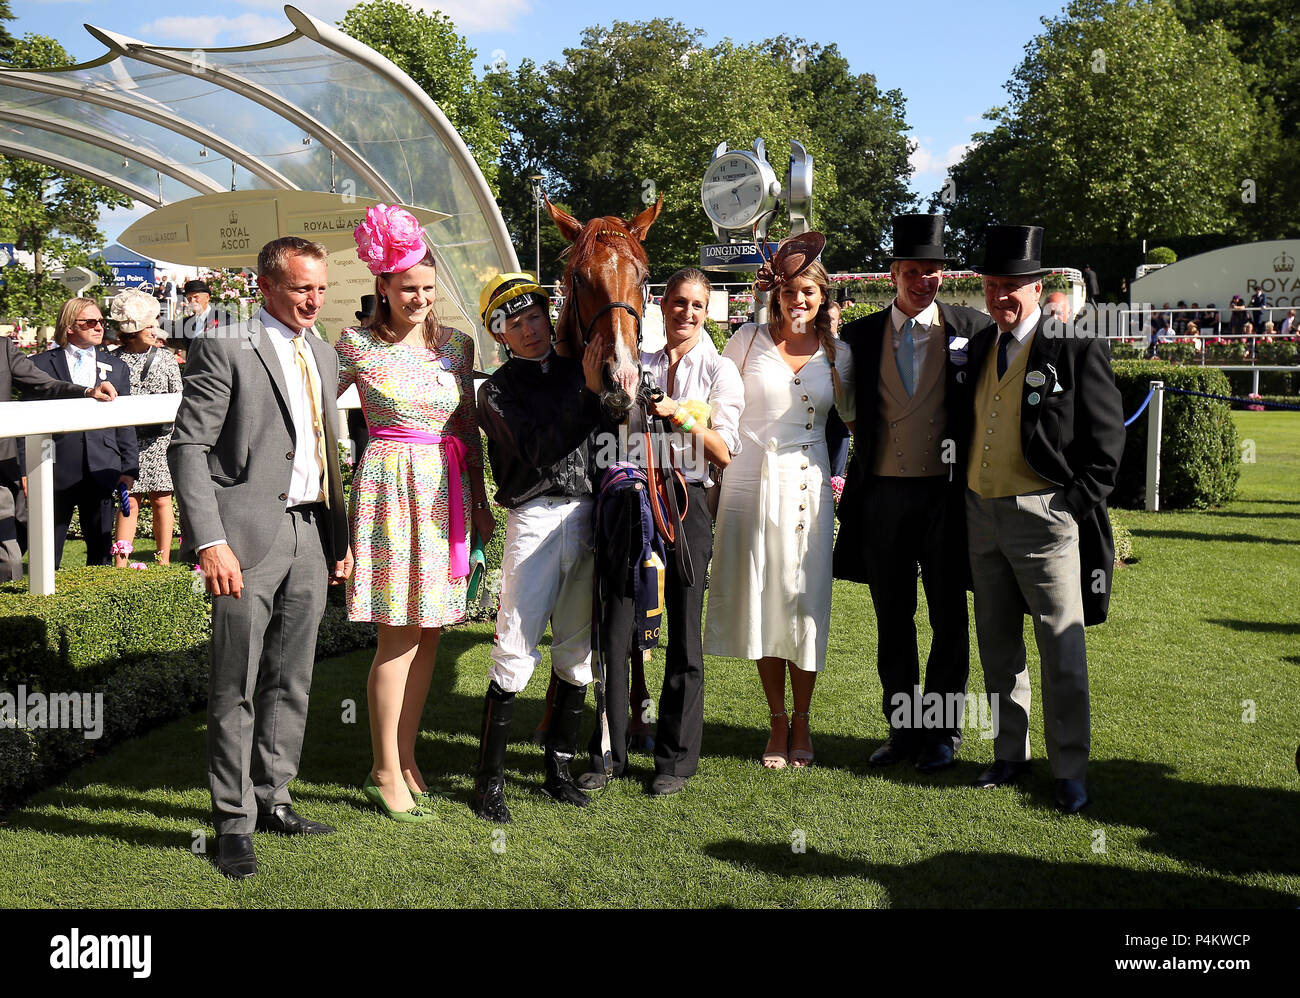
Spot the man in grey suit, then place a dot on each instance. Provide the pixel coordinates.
(254, 459)
(17, 369)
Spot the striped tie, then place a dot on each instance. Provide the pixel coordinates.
(313, 391)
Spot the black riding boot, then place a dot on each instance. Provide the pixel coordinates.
(562, 742)
(489, 788)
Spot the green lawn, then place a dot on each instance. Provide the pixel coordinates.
(1194, 807)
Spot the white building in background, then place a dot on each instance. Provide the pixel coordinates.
(1216, 276)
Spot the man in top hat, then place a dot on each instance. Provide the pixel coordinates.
(200, 317)
(1046, 439)
(902, 501)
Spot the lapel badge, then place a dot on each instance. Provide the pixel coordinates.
(961, 377)
(1035, 379)
(104, 369)
(1034, 398)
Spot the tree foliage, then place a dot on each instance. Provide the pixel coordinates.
(636, 109)
(51, 214)
(428, 49)
(1122, 124)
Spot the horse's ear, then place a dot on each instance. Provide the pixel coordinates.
(568, 225)
(641, 224)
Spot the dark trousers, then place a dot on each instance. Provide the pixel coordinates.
(913, 521)
(680, 728)
(680, 725)
(94, 502)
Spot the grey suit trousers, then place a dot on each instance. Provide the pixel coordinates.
(263, 649)
(11, 556)
(1024, 551)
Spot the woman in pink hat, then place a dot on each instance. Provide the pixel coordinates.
(417, 495)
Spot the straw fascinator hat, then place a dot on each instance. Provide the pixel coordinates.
(134, 310)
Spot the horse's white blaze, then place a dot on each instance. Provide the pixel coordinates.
(625, 365)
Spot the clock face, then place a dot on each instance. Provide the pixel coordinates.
(733, 191)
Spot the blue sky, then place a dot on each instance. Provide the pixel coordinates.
(949, 59)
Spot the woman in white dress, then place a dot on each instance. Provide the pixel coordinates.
(770, 583)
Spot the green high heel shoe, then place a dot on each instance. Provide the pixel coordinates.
(373, 794)
(422, 798)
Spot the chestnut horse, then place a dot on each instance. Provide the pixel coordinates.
(606, 287)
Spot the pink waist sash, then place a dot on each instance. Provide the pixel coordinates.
(456, 452)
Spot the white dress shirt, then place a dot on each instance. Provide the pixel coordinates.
(703, 375)
(1021, 334)
(926, 319)
(305, 484)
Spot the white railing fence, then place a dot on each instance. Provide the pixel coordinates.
(37, 421)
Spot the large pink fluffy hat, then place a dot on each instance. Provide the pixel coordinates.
(390, 240)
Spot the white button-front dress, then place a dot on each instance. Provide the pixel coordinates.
(770, 581)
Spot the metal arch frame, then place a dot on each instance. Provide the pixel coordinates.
(19, 151)
(41, 83)
(132, 48)
(336, 40)
(190, 178)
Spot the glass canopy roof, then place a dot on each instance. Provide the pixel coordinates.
(313, 110)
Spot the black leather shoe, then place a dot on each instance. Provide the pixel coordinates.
(1002, 773)
(591, 780)
(936, 757)
(1071, 796)
(561, 740)
(665, 784)
(891, 753)
(489, 785)
(284, 820)
(235, 856)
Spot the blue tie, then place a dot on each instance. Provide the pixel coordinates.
(83, 359)
(905, 358)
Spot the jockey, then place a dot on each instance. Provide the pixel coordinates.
(539, 411)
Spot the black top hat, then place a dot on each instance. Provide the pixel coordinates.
(194, 287)
(918, 237)
(367, 308)
(1013, 251)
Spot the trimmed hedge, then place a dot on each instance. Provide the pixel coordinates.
(1200, 460)
(139, 638)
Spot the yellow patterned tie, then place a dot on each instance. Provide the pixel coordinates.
(313, 391)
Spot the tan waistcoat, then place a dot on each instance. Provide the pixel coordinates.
(997, 464)
(909, 431)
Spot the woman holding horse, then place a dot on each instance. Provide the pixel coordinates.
(703, 398)
(770, 587)
(417, 493)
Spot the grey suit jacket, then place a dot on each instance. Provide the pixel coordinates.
(231, 453)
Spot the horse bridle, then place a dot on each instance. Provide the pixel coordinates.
(585, 328)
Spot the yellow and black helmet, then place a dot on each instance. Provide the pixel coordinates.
(509, 294)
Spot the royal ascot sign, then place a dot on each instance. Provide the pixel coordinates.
(226, 231)
(1216, 276)
(738, 257)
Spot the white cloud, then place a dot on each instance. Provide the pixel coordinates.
(927, 163)
(213, 29)
(468, 15)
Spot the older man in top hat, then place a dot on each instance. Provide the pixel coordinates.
(201, 317)
(1046, 440)
(902, 502)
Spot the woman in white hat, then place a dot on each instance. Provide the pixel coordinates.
(154, 371)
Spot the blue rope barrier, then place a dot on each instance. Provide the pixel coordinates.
(1229, 398)
(1141, 409)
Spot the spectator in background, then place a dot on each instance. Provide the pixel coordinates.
(1238, 314)
(1058, 305)
(201, 316)
(1288, 324)
(19, 370)
(1180, 319)
(358, 431)
(88, 466)
(153, 371)
(1209, 320)
(1258, 303)
(1092, 286)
